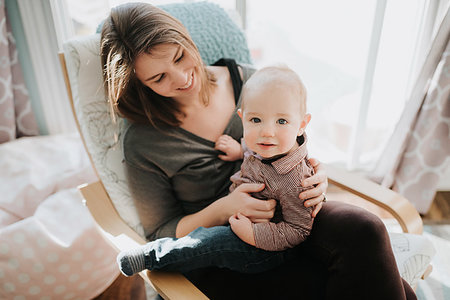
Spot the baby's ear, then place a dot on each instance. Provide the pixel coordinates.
(304, 123)
(239, 111)
(306, 120)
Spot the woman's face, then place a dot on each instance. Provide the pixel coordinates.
(169, 71)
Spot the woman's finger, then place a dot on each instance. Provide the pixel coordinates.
(250, 187)
(314, 201)
(265, 205)
(258, 212)
(317, 208)
(314, 192)
(317, 178)
(314, 162)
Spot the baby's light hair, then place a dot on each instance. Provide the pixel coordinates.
(278, 74)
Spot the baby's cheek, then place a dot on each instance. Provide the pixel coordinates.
(250, 140)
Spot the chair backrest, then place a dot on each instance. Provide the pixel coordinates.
(216, 36)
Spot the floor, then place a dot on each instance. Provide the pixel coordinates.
(128, 288)
(125, 288)
(439, 212)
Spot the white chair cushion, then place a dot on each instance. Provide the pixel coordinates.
(85, 75)
(413, 254)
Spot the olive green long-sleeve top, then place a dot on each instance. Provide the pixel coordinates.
(174, 173)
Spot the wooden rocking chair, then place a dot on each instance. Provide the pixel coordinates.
(108, 199)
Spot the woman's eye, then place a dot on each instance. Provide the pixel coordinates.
(255, 120)
(282, 121)
(160, 78)
(179, 58)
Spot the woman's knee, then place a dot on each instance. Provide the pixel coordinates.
(370, 229)
(352, 223)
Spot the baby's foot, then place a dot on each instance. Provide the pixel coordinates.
(131, 261)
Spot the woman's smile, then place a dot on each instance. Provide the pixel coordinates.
(189, 84)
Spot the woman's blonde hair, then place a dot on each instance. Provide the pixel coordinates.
(129, 31)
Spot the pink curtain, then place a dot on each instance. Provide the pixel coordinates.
(418, 151)
(16, 116)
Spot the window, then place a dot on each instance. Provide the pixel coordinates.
(358, 60)
(86, 15)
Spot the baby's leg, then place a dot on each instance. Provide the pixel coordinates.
(204, 247)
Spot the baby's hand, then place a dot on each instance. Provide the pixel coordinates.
(231, 148)
(242, 227)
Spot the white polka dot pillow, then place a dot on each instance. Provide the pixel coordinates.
(55, 254)
(50, 247)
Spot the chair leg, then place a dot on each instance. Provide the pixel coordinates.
(427, 272)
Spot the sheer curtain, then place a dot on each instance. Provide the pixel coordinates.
(16, 116)
(419, 149)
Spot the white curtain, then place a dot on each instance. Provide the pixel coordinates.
(418, 151)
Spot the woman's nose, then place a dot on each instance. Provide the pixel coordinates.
(180, 78)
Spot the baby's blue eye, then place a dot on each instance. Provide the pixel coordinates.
(255, 120)
(282, 121)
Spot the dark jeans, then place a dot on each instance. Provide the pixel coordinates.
(347, 256)
(216, 246)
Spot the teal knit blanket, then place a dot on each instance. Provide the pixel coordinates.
(213, 31)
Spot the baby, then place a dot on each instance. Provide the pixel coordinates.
(273, 112)
(274, 117)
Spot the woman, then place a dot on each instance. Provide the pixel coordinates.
(177, 108)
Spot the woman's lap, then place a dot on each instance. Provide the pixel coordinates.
(355, 246)
(348, 255)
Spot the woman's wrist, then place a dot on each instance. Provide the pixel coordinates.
(212, 215)
(219, 211)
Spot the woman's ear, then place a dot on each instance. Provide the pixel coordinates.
(304, 123)
(239, 111)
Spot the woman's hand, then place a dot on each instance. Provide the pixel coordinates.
(319, 181)
(239, 201)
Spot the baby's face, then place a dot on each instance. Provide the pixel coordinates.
(272, 120)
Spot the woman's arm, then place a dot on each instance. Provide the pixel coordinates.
(319, 181)
(218, 212)
(162, 214)
(157, 208)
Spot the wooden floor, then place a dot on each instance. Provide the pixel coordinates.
(130, 288)
(439, 212)
(125, 288)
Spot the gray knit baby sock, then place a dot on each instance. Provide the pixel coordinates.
(131, 261)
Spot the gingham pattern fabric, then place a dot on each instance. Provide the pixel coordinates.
(282, 179)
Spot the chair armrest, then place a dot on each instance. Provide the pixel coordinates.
(398, 206)
(169, 285)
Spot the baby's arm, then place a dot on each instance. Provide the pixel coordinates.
(292, 230)
(242, 227)
(232, 149)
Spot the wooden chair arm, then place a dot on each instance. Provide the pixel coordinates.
(398, 206)
(169, 285)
